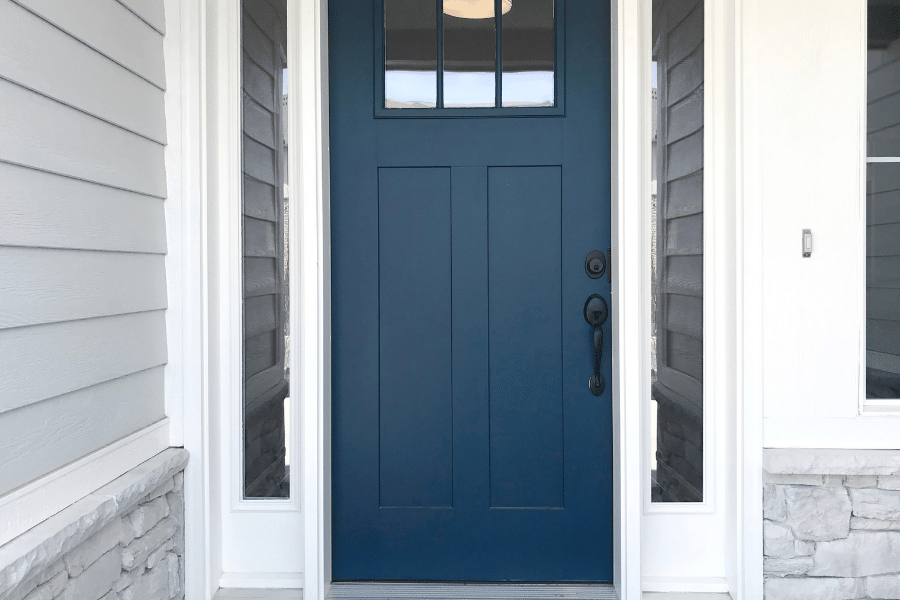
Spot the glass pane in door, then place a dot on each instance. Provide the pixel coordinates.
(410, 54)
(529, 51)
(470, 54)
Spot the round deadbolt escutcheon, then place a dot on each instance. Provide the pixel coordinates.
(595, 264)
(596, 311)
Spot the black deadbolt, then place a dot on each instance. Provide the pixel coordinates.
(595, 264)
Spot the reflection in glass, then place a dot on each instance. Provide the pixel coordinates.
(265, 249)
(470, 62)
(883, 119)
(883, 202)
(410, 54)
(676, 285)
(528, 54)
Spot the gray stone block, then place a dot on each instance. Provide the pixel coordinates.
(818, 514)
(781, 567)
(863, 553)
(792, 479)
(778, 540)
(137, 552)
(889, 482)
(96, 580)
(873, 524)
(93, 548)
(774, 507)
(147, 515)
(804, 548)
(110, 596)
(158, 554)
(127, 578)
(884, 587)
(173, 565)
(876, 504)
(860, 481)
(51, 572)
(162, 490)
(50, 589)
(805, 588)
(179, 482)
(821, 461)
(153, 585)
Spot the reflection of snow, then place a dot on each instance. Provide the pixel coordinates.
(418, 89)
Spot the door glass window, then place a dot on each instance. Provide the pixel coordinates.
(676, 250)
(264, 239)
(529, 54)
(478, 56)
(410, 54)
(883, 202)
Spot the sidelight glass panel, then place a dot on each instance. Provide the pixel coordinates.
(883, 202)
(266, 462)
(676, 251)
(529, 52)
(470, 54)
(410, 54)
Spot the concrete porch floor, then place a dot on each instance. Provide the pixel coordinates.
(471, 591)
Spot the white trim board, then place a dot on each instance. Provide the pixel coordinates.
(260, 581)
(31, 504)
(683, 585)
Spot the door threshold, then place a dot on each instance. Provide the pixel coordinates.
(471, 591)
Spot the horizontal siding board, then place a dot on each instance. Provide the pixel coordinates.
(882, 177)
(42, 133)
(883, 81)
(259, 161)
(259, 199)
(40, 285)
(685, 196)
(259, 353)
(883, 336)
(684, 275)
(686, 36)
(42, 437)
(686, 117)
(258, 45)
(48, 360)
(685, 315)
(883, 240)
(259, 238)
(685, 354)
(685, 77)
(259, 123)
(151, 12)
(259, 315)
(259, 277)
(265, 17)
(684, 236)
(39, 56)
(885, 142)
(42, 209)
(883, 303)
(883, 272)
(111, 29)
(263, 382)
(883, 113)
(685, 156)
(258, 84)
(883, 208)
(683, 384)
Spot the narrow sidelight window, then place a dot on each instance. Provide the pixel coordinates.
(883, 201)
(265, 249)
(676, 251)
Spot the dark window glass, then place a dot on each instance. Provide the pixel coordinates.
(470, 54)
(265, 250)
(677, 251)
(529, 51)
(410, 54)
(883, 127)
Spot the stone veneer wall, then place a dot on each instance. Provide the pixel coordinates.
(123, 542)
(832, 524)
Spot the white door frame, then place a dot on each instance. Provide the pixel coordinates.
(208, 423)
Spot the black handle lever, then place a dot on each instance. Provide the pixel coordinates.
(596, 311)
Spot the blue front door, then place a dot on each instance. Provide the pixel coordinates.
(467, 443)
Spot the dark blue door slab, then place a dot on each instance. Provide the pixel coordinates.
(467, 445)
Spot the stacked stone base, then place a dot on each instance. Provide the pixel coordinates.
(124, 542)
(830, 535)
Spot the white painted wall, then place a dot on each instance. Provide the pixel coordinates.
(83, 233)
(805, 77)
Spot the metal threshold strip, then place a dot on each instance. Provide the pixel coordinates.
(471, 591)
